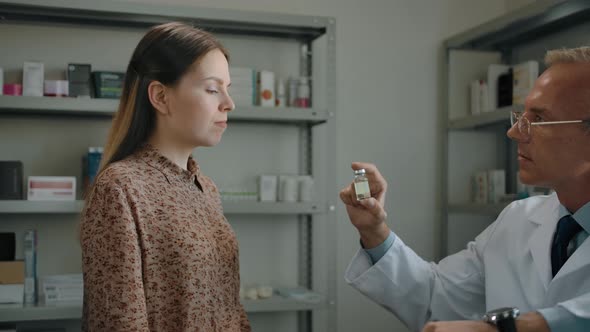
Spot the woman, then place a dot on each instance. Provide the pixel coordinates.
(158, 254)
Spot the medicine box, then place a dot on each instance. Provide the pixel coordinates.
(108, 84)
(51, 188)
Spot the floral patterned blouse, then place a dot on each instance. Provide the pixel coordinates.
(158, 253)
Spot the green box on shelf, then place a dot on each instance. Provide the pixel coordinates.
(107, 84)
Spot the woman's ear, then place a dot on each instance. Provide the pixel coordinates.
(157, 96)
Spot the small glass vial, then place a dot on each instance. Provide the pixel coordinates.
(361, 185)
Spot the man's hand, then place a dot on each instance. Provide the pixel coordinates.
(459, 326)
(529, 322)
(368, 215)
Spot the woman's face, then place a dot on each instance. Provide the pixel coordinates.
(199, 103)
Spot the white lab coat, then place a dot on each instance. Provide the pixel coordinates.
(508, 264)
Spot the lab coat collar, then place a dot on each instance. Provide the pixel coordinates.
(549, 207)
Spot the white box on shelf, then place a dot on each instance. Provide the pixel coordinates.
(266, 91)
(306, 188)
(12, 293)
(51, 188)
(484, 99)
(474, 97)
(66, 288)
(480, 187)
(243, 90)
(496, 185)
(268, 188)
(288, 188)
(33, 77)
(524, 76)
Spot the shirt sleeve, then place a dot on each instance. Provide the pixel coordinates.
(378, 252)
(561, 320)
(114, 297)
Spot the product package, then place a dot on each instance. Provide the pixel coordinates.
(79, 79)
(108, 84)
(33, 76)
(51, 188)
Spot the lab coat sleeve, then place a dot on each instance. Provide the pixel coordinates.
(417, 291)
(569, 316)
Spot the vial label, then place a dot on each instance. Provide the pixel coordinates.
(362, 190)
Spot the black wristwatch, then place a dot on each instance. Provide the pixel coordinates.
(504, 319)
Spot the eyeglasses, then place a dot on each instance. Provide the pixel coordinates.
(524, 124)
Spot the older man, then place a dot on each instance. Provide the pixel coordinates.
(534, 257)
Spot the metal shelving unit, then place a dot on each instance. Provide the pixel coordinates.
(518, 36)
(316, 263)
(19, 313)
(106, 108)
(229, 207)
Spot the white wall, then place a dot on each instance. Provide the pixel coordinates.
(388, 71)
(516, 4)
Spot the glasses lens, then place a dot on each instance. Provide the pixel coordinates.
(515, 117)
(524, 126)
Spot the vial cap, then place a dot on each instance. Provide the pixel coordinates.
(359, 171)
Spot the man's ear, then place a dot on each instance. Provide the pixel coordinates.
(157, 96)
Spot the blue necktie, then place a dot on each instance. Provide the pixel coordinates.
(567, 228)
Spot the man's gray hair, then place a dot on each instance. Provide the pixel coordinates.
(568, 55)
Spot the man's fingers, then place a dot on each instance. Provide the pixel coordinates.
(374, 207)
(348, 196)
(345, 196)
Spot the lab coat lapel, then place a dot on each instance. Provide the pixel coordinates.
(540, 242)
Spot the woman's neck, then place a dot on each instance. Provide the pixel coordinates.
(171, 150)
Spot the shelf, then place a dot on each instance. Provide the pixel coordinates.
(24, 105)
(530, 22)
(117, 13)
(229, 207)
(492, 210)
(279, 303)
(501, 115)
(91, 107)
(253, 207)
(278, 115)
(33, 207)
(18, 313)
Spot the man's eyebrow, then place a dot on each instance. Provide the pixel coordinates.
(538, 110)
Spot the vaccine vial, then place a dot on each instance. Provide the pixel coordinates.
(361, 185)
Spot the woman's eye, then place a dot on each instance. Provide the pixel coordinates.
(538, 118)
(212, 91)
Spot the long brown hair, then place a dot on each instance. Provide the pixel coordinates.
(164, 54)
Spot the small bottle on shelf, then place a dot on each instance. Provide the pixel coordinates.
(293, 82)
(281, 100)
(361, 184)
(303, 93)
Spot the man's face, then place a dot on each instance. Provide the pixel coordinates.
(556, 155)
